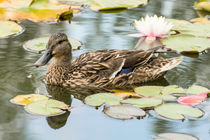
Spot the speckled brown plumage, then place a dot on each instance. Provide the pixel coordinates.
(101, 68)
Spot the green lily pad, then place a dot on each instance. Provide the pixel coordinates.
(175, 136)
(100, 5)
(178, 24)
(177, 111)
(203, 5)
(9, 29)
(185, 27)
(143, 102)
(47, 107)
(195, 89)
(153, 91)
(102, 98)
(186, 43)
(173, 89)
(39, 44)
(124, 112)
(200, 30)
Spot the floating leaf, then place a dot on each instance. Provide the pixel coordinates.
(178, 24)
(26, 99)
(124, 112)
(48, 107)
(39, 44)
(34, 10)
(175, 136)
(173, 89)
(200, 20)
(9, 28)
(102, 98)
(185, 27)
(204, 5)
(177, 111)
(153, 91)
(143, 102)
(101, 5)
(128, 95)
(186, 43)
(192, 99)
(195, 89)
(124, 93)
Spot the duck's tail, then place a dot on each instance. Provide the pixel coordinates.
(171, 63)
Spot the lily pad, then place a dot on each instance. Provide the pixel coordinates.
(175, 136)
(26, 99)
(186, 43)
(47, 107)
(153, 91)
(101, 5)
(34, 10)
(195, 89)
(124, 93)
(173, 89)
(203, 5)
(39, 44)
(9, 28)
(178, 24)
(200, 20)
(185, 27)
(177, 111)
(143, 102)
(102, 98)
(192, 99)
(124, 112)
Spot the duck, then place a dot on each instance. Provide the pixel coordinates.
(101, 68)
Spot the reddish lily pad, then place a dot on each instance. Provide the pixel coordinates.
(124, 112)
(192, 99)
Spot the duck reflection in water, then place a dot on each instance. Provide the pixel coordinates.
(65, 95)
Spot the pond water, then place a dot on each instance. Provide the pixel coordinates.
(96, 31)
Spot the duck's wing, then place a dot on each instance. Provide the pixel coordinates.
(132, 57)
(103, 65)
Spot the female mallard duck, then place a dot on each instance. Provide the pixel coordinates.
(102, 68)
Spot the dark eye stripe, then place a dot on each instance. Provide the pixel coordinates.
(59, 42)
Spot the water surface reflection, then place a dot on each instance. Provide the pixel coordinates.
(96, 31)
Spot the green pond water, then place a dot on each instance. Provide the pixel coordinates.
(96, 31)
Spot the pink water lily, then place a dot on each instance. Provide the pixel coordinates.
(152, 27)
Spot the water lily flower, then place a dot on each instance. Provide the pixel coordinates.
(152, 28)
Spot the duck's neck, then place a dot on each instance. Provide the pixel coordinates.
(63, 61)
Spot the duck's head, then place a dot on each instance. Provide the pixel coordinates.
(58, 48)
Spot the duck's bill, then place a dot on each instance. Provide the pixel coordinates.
(44, 59)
